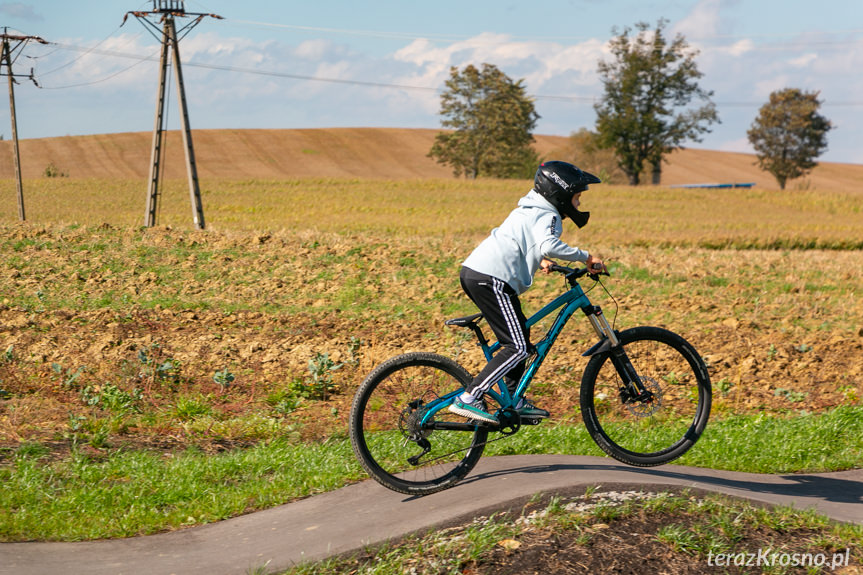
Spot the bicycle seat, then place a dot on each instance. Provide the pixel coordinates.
(467, 321)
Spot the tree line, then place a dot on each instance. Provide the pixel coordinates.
(651, 105)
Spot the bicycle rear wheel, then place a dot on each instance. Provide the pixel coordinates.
(388, 438)
(661, 428)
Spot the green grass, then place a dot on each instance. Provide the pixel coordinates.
(445, 551)
(811, 443)
(134, 493)
(808, 442)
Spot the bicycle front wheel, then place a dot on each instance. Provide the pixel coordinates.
(662, 427)
(396, 440)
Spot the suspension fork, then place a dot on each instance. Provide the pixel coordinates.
(633, 389)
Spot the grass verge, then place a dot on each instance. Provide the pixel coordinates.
(128, 493)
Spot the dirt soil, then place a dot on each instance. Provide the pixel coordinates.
(65, 340)
(630, 546)
(617, 532)
(274, 350)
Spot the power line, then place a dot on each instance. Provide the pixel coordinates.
(488, 38)
(310, 78)
(101, 80)
(83, 54)
(387, 85)
(301, 77)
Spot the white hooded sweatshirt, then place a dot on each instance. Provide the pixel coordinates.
(514, 250)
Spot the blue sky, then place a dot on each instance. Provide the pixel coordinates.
(327, 63)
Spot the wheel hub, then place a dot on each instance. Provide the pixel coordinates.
(647, 407)
(410, 421)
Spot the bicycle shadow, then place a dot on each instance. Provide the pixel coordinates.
(832, 489)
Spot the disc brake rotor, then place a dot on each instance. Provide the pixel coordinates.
(651, 406)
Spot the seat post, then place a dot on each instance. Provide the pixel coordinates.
(482, 341)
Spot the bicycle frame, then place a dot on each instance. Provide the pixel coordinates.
(568, 302)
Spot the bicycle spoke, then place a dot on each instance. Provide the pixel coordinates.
(387, 429)
(662, 422)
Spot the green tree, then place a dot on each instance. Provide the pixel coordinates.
(789, 134)
(491, 119)
(643, 114)
(584, 151)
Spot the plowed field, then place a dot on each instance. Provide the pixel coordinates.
(125, 331)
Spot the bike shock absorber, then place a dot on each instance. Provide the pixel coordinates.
(633, 389)
(600, 325)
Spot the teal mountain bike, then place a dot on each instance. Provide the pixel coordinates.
(645, 398)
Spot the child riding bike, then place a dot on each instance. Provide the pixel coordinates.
(502, 267)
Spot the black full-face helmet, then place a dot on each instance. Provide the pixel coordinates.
(557, 182)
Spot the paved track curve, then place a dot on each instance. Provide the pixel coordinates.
(366, 513)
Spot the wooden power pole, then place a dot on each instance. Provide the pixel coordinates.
(167, 11)
(6, 60)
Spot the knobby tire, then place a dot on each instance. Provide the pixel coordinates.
(385, 434)
(656, 431)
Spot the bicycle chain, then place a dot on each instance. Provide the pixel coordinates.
(484, 443)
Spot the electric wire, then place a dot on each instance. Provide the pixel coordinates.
(292, 76)
(83, 54)
(389, 85)
(489, 39)
(101, 80)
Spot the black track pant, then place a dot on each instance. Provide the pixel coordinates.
(501, 308)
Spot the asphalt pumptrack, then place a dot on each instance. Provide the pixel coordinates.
(365, 514)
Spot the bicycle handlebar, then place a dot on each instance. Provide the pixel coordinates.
(573, 274)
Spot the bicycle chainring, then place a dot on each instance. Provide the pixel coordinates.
(510, 421)
(649, 407)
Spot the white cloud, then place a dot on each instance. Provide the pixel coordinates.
(313, 49)
(768, 85)
(702, 20)
(740, 48)
(803, 61)
(536, 62)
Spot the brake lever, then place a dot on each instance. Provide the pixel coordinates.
(595, 275)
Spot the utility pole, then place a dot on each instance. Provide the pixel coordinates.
(168, 35)
(7, 60)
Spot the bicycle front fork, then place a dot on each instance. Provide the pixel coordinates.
(632, 389)
(601, 326)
